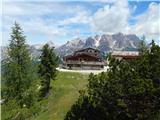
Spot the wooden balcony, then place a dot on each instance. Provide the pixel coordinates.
(84, 63)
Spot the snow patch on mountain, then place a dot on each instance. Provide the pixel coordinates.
(97, 39)
(133, 45)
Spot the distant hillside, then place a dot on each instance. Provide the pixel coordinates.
(35, 50)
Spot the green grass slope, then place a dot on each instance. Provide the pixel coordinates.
(64, 93)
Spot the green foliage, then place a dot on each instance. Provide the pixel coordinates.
(12, 111)
(19, 79)
(154, 60)
(140, 86)
(47, 69)
(18, 72)
(130, 90)
(84, 105)
(157, 116)
(63, 95)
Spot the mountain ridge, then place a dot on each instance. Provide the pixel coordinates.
(104, 42)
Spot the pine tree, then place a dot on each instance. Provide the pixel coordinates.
(47, 69)
(129, 90)
(154, 60)
(18, 68)
(143, 61)
(143, 47)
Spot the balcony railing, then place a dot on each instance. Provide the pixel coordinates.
(83, 62)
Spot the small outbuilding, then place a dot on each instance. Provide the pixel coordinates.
(125, 55)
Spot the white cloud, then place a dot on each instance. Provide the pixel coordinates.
(37, 8)
(31, 17)
(34, 27)
(148, 23)
(103, 1)
(39, 26)
(82, 16)
(111, 19)
(16, 9)
(115, 18)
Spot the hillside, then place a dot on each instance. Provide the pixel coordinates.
(64, 93)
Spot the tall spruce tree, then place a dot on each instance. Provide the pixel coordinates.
(18, 68)
(47, 69)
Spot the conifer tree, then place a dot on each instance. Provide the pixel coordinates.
(154, 60)
(18, 68)
(129, 90)
(143, 61)
(47, 69)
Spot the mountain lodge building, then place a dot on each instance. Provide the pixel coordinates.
(84, 59)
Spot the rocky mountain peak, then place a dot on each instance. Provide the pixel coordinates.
(50, 43)
(105, 43)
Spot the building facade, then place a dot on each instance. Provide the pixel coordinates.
(84, 59)
(125, 55)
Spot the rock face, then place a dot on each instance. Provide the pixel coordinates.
(35, 50)
(70, 47)
(105, 43)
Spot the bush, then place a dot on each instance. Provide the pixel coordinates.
(128, 91)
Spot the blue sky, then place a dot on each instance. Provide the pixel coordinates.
(61, 21)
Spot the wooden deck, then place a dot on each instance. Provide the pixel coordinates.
(84, 63)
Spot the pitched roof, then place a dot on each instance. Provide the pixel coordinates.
(86, 54)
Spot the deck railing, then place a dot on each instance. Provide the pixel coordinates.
(83, 62)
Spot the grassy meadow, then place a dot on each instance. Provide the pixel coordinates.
(64, 92)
